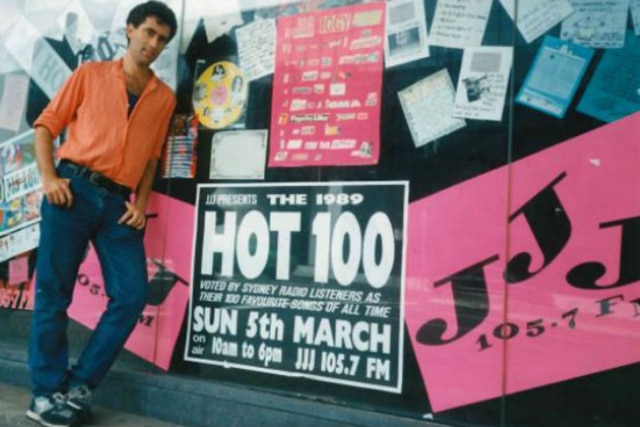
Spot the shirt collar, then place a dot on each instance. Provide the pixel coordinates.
(117, 69)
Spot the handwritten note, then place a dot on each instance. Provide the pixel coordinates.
(536, 17)
(428, 108)
(459, 23)
(257, 48)
(597, 23)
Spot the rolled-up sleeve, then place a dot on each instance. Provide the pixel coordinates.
(62, 108)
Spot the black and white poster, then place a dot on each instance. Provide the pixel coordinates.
(303, 279)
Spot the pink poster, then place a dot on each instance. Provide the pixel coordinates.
(567, 232)
(327, 87)
(168, 245)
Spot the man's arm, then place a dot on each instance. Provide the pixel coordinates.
(56, 189)
(135, 215)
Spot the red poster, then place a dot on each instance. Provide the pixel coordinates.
(512, 288)
(327, 88)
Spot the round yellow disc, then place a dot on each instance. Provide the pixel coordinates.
(219, 95)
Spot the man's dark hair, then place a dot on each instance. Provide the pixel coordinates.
(157, 9)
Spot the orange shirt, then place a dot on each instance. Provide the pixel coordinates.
(92, 104)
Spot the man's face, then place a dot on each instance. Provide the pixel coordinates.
(148, 40)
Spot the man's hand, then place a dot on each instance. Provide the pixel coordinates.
(134, 216)
(57, 191)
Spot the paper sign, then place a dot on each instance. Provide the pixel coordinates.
(428, 108)
(238, 154)
(554, 76)
(596, 23)
(14, 100)
(483, 82)
(406, 38)
(257, 48)
(459, 23)
(612, 92)
(536, 17)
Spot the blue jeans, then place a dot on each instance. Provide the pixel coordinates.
(65, 234)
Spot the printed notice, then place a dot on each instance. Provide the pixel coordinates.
(301, 280)
(257, 48)
(406, 39)
(428, 108)
(612, 92)
(459, 23)
(597, 23)
(483, 82)
(536, 17)
(554, 76)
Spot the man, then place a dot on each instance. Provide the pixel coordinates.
(116, 114)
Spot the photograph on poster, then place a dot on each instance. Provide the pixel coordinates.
(257, 48)
(554, 76)
(536, 17)
(483, 82)
(459, 23)
(406, 32)
(301, 258)
(238, 154)
(597, 23)
(612, 92)
(428, 108)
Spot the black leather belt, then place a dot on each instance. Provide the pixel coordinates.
(97, 178)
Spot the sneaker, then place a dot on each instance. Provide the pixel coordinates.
(79, 399)
(52, 411)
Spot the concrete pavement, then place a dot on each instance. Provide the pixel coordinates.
(14, 402)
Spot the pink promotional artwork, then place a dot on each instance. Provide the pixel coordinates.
(535, 281)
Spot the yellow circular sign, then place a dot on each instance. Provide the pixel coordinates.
(219, 95)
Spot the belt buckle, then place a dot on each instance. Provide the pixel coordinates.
(97, 179)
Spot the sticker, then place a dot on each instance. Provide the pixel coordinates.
(219, 95)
